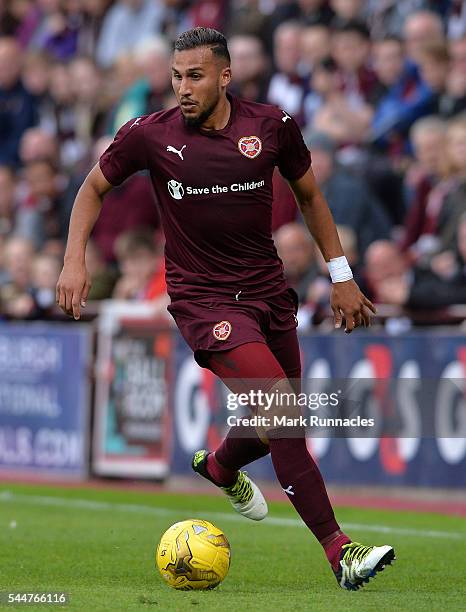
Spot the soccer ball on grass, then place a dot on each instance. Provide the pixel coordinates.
(193, 555)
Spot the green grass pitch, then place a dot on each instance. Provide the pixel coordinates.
(99, 546)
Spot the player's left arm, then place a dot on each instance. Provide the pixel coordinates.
(347, 300)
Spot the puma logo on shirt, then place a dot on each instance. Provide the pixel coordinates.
(173, 150)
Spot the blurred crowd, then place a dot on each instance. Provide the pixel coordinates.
(377, 86)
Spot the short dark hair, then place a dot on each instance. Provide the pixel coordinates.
(204, 37)
(351, 26)
(389, 38)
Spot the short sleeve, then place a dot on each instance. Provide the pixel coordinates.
(127, 153)
(294, 157)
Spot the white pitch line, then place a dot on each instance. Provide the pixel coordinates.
(88, 504)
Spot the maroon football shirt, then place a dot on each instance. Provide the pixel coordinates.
(215, 194)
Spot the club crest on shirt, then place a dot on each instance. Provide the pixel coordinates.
(250, 146)
(222, 330)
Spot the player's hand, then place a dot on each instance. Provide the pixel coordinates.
(73, 288)
(349, 303)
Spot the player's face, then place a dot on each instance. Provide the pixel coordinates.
(199, 80)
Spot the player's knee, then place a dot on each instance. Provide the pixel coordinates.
(280, 414)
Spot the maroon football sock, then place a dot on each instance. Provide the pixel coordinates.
(241, 446)
(222, 475)
(301, 480)
(332, 547)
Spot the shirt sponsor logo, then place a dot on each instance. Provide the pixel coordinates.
(222, 330)
(176, 189)
(250, 146)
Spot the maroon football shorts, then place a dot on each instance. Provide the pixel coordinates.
(220, 324)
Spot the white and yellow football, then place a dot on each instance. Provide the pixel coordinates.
(193, 555)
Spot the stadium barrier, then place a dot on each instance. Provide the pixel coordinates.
(45, 399)
(417, 378)
(153, 406)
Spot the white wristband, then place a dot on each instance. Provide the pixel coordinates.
(339, 270)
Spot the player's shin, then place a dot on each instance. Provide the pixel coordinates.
(241, 446)
(301, 480)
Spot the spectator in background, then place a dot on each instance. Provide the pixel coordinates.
(456, 18)
(448, 87)
(454, 205)
(307, 12)
(350, 49)
(39, 23)
(122, 75)
(315, 46)
(42, 212)
(54, 247)
(88, 105)
(36, 73)
(286, 86)
(419, 29)
(15, 292)
(296, 249)
(26, 16)
(249, 65)
(390, 67)
(349, 199)
(3, 272)
(346, 10)
(126, 24)
(386, 272)
(456, 89)
(246, 18)
(7, 201)
(392, 282)
(450, 265)
(402, 100)
(18, 110)
(344, 119)
(204, 13)
(45, 272)
(458, 53)
(103, 276)
(11, 14)
(428, 139)
(37, 144)
(142, 267)
(125, 207)
(179, 15)
(149, 93)
(61, 119)
(58, 35)
(90, 20)
(447, 200)
(387, 18)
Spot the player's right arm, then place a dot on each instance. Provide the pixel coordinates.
(74, 282)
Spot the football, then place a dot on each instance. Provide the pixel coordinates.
(193, 555)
